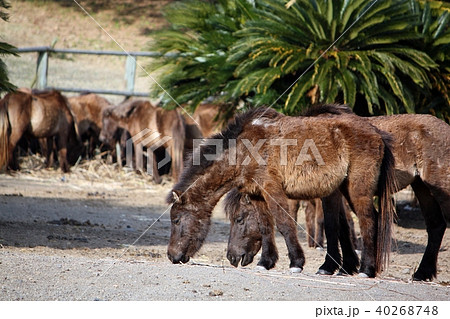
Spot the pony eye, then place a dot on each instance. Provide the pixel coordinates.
(240, 220)
(176, 221)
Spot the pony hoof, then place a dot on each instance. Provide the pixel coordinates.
(324, 272)
(260, 268)
(295, 270)
(319, 248)
(342, 273)
(363, 275)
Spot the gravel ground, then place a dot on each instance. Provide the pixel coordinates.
(101, 234)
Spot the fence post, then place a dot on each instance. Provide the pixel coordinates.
(42, 70)
(130, 72)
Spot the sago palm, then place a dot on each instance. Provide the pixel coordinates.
(353, 51)
(193, 66)
(5, 49)
(435, 17)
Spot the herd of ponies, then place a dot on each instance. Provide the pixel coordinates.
(262, 169)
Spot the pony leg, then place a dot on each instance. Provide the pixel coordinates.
(331, 224)
(278, 205)
(154, 164)
(138, 157)
(47, 150)
(351, 224)
(62, 155)
(350, 261)
(436, 225)
(62, 142)
(269, 252)
(363, 206)
(310, 219)
(369, 230)
(14, 138)
(319, 224)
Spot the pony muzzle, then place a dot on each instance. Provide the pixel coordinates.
(178, 258)
(234, 259)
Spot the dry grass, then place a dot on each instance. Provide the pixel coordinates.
(93, 170)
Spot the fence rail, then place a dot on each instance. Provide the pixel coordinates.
(130, 69)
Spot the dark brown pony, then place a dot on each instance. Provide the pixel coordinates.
(149, 126)
(88, 110)
(39, 115)
(421, 146)
(250, 219)
(349, 154)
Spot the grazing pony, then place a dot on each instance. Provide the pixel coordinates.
(40, 115)
(206, 115)
(151, 127)
(88, 110)
(421, 147)
(203, 123)
(252, 155)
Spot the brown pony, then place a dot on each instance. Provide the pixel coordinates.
(349, 154)
(203, 123)
(421, 147)
(88, 110)
(39, 115)
(206, 115)
(151, 127)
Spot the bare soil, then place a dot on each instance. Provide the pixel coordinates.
(101, 233)
(94, 25)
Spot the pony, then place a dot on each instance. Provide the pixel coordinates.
(204, 122)
(251, 154)
(113, 136)
(421, 147)
(88, 110)
(44, 114)
(207, 117)
(151, 127)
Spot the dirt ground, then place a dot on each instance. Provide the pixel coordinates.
(100, 233)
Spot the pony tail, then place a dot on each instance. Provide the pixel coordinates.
(387, 185)
(74, 119)
(4, 135)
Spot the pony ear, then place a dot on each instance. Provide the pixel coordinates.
(176, 197)
(245, 199)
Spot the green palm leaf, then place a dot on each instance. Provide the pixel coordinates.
(372, 53)
(5, 49)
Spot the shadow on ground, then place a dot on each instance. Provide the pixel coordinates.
(100, 222)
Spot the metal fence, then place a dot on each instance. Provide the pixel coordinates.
(44, 53)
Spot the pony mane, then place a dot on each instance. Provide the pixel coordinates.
(231, 132)
(44, 92)
(124, 110)
(231, 202)
(331, 109)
